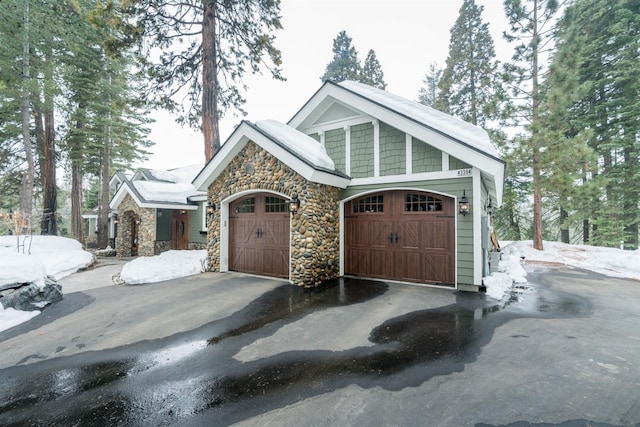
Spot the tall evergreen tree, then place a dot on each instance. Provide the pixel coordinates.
(531, 26)
(345, 64)
(372, 71)
(207, 47)
(606, 34)
(469, 87)
(429, 92)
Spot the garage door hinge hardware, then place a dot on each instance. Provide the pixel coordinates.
(259, 233)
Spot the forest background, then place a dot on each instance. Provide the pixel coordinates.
(80, 80)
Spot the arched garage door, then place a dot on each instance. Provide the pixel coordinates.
(259, 233)
(401, 235)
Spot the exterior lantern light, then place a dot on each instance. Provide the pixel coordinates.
(294, 204)
(464, 207)
(211, 208)
(116, 219)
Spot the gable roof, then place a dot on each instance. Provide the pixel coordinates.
(449, 134)
(154, 188)
(297, 150)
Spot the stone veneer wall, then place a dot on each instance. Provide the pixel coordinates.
(161, 246)
(314, 228)
(146, 230)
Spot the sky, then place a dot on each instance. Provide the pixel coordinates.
(60, 256)
(407, 37)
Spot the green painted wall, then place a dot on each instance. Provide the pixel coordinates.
(425, 157)
(196, 226)
(393, 151)
(455, 163)
(163, 224)
(453, 187)
(335, 143)
(362, 150)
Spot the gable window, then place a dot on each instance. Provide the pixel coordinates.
(246, 205)
(422, 203)
(275, 205)
(371, 204)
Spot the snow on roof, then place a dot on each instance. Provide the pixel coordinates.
(169, 192)
(298, 142)
(182, 174)
(450, 125)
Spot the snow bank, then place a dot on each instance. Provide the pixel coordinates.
(510, 271)
(167, 265)
(50, 256)
(11, 317)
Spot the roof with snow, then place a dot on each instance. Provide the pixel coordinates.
(155, 188)
(448, 134)
(297, 150)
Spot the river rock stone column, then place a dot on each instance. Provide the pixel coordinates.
(128, 209)
(314, 228)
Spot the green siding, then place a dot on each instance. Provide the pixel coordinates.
(393, 151)
(315, 136)
(425, 157)
(453, 187)
(335, 143)
(362, 150)
(163, 224)
(196, 226)
(457, 164)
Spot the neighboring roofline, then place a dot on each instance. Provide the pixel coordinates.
(129, 188)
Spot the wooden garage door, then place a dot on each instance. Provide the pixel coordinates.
(259, 235)
(401, 235)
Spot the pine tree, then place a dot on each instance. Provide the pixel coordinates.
(606, 34)
(531, 25)
(469, 87)
(207, 47)
(345, 64)
(372, 72)
(429, 92)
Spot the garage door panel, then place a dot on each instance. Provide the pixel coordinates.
(424, 250)
(259, 236)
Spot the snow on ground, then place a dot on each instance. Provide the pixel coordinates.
(167, 265)
(29, 259)
(608, 261)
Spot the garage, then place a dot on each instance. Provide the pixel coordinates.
(259, 231)
(401, 235)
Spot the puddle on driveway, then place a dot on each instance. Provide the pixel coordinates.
(193, 377)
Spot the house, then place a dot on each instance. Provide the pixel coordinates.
(359, 182)
(153, 211)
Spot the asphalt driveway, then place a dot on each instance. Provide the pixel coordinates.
(219, 349)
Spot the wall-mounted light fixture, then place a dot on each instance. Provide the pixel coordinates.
(294, 204)
(138, 221)
(490, 208)
(211, 208)
(464, 207)
(116, 219)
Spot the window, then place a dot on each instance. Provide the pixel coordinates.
(370, 204)
(246, 205)
(275, 205)
(422, 203)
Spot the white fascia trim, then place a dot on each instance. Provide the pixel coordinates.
(337, 124)
(376, 148)
(393, 179)
(408, 142)
(227, 151)
(477, 226)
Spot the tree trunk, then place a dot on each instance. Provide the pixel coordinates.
(26, 191)
(210, 128)
(103, 205)
(76, 203)
(564, 230)
(631, 196)
(50, 190)
(537, 192)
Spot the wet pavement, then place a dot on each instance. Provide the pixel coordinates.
(356, 352)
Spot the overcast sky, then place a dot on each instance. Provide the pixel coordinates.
(406, 35)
